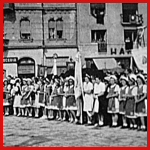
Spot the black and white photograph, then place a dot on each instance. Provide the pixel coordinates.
(75, 74)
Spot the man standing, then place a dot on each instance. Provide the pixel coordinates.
(99, 89)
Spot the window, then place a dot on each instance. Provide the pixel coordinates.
(98, 36)
(98, 11)
(55, 28)
(129, 37)
(129, 11)
(25, 32)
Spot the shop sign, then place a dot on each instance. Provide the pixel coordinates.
(10, 60)
(26, 69)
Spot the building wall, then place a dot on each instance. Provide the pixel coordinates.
(39, 24)
(112, 23)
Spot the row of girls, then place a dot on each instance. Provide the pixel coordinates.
(104, 101)
(41, 98)
(124, 97)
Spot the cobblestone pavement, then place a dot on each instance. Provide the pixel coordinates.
(31, 132)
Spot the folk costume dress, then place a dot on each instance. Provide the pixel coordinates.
(6, 95)
(70, 99)
(130, 102)
(88, 98)
(122, 100)
(55, 99)
(113, 103)
(24, 95)
(140, 106)
(42, 96)
(17, 98)
(36, 91)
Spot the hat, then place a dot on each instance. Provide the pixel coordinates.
(107, 78)
(132, 77)
(4, 80)
(17, 79)
(24, 79)
(87, 76)
(113, 77)
(124, 78)
(12, 81)
(141, 77)
(28, 79)
(71, 78)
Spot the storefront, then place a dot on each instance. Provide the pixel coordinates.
(26, 67)
(10, 66)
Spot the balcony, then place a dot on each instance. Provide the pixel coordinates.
(131, 20)
(102, 47)
(8, 7)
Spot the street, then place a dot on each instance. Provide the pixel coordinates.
(30, 132)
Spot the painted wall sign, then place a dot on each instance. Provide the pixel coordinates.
(10, 60)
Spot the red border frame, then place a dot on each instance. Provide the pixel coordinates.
(1, 65)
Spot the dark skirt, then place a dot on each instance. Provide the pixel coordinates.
(111, 105)
(102, 104)
(71, 102)
(122, 105)
(140, 107)
(56, 102)
(130, 108)
(7, 99)
(41, 99)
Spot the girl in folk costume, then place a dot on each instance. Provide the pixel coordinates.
(140, 103)
(65, 90)
(113, 103)
(52, 86)
(42, 97)
(131, 97)
(88, 98)
(47, 96)
(55, 98)
(60, 102)
(36, 105)
(70, 101)
(27, 97)
(17, 98)
(24, 94)
(122, 99)
(7, 96)
(31, 97)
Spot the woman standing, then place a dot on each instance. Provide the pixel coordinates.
(70, 101)
(113, 103)
(122, 100)
(131, 97)
(55, 98)
(65, 91)
(88, 98)
(7, 97)
(24, 94)
(17, 98)
(36, 105)
(140, 103)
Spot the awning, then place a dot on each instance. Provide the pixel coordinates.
(105, 63)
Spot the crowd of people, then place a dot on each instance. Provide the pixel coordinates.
(117, 101)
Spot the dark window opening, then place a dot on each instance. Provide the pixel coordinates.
(98, 36)
(55, 28)
(25, 32)
(98, 11)
(130, 10)
(129, 37)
